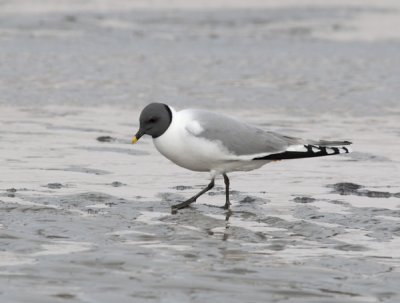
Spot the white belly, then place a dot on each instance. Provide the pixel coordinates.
(186, 151)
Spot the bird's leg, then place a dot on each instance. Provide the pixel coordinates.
(186, 203)
(226, 181)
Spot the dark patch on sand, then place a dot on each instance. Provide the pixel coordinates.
(10, 192)
(106, 139)
(55, 185)
(351, 247)
(247, 199)
(346, 188)
(65, 296)
(304, 200)
(117, 184)
(183, 187)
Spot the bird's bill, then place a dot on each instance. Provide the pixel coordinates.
(136, 137)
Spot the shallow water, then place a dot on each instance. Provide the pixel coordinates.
(85, 215)
(299, 58)
(88, 220)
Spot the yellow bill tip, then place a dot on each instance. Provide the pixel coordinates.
(134, 140)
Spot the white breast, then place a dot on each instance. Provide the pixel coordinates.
(180, 146)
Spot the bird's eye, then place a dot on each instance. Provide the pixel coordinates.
(152, 120)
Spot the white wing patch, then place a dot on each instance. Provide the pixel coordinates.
(296, 148)
(330, 151)
(194, 128)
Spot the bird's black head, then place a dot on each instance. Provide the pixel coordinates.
(154, 120)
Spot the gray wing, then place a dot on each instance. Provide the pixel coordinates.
(238, 137)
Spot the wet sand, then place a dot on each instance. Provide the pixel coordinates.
(85, 215)
(88, 220)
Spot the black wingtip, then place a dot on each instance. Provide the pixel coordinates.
(311, 151)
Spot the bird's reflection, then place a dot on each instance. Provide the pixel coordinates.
(226, 234)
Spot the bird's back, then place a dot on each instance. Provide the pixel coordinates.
(238, 137)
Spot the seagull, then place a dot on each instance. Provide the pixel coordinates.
(207, 141)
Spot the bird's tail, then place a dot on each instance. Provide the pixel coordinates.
(311, 149)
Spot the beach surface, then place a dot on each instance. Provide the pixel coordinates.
(85, 215)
